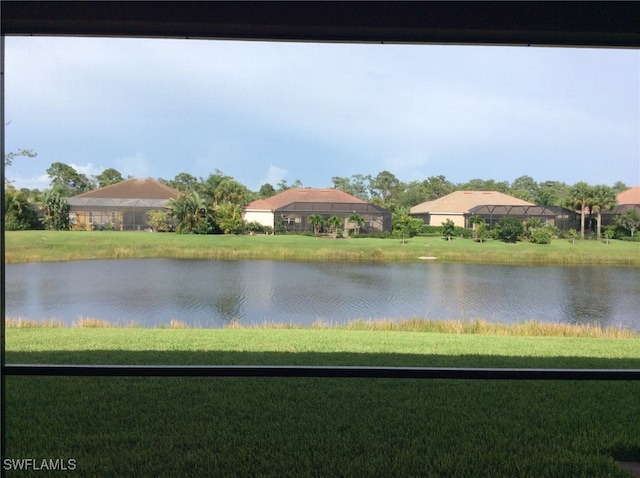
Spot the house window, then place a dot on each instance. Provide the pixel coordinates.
(73, 218)
(113, 217)
(90, 217)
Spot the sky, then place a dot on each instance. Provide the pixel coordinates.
(263, 112)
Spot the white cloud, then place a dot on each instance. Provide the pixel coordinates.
(137, 166)
(88, 169)
(274, 175)
(41, 182)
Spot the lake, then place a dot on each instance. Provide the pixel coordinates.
(152, 292)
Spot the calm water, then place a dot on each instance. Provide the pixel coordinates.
(152, 292)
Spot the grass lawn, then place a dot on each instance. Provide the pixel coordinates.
(321, 427)
(31, 246)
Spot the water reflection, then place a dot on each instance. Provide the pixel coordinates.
(212, 293)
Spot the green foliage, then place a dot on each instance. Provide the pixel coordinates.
(609, 233)
(509, 229)
(19, 213)
(254, 227)
(357, 221)
(405, 225)
(66, 181)
(316, 221)
(630, 220)
(448, 229)
(541, 235)
(229, 218)
(108, 177)
(56, 212)
(190, 211)
(160, 221)
(266, 191)
(334, 223)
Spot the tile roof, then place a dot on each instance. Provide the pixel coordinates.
(303, 195)
(133, 189)
(630, 196)
(462, 201)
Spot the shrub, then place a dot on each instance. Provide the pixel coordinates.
(541, 235)
(509, 229)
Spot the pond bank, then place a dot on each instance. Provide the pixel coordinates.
(48, 246)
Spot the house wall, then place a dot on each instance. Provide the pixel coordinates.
(436, 219)
(261, 217)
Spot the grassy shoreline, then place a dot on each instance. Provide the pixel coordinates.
(170, 427)
(46, 246)
(470, 327)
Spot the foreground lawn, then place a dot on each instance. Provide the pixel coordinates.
(321, 427)
(32, 246)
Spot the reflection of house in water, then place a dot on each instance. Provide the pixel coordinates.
(122, 206)
(291, 209)
(491, 206)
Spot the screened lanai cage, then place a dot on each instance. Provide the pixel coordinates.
(113, 214)
(556, 216)
(294, 216)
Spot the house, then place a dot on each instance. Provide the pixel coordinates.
(491, 206)
(629, 199)
(290, 209)
(122, 206)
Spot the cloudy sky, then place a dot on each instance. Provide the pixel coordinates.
(263, 112)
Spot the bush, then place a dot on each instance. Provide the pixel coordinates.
(509, 229)
(541, 235)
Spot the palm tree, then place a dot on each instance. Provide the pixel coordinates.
(603, 199)
(334, 223)
(316, 220)
(358, 221)
(190, 210)
(579, 198)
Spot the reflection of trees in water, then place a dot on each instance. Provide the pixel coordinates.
(589, 296)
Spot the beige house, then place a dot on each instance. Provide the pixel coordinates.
(290, 209)
(458, 206)
(122, 206)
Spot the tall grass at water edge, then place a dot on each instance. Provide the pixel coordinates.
(480, 327)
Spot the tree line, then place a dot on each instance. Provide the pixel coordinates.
(214, 204)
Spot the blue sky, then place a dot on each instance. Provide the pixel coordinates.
(263, 112)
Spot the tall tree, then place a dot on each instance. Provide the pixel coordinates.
(266, 191)
(485, 185)
(579, 198)
(66, 181)
(619, 187)
(108, 177)
(525, 188)
(386, 186)
(437, 186)
(603, 199)
(552, 193)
